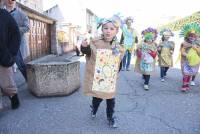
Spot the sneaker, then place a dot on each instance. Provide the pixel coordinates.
(92, 112)
(146, 87)
(14, 101)
(93, 115)
(192, 83)
(112, 122)
(123, 68)
(162, 80)
(128, 69)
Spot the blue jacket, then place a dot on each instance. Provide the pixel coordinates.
(23, 23)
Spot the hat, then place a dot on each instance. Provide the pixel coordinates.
(166, 32)
(115, 19)
(128, 18)
(191, 29)
(149, 33)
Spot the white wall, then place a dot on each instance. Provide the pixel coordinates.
(70, 12)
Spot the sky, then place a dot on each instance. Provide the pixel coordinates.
(144, 12)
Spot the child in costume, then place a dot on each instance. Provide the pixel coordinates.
(103, 57)
(165, 52)
(192, 82)
(128, 39)
(146, 54)
(190, 59)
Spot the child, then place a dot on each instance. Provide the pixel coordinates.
(190, 58)
(165, 50)
(103, 57)
(192, 83)
(128, 39)
(146, 54)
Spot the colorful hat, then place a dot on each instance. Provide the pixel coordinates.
(128, 18)
(190, 30)
(149, 34)
(166, 32)
(115, 19)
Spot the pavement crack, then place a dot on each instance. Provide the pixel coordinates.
(130, 84)
(166, 123)
(131, 110)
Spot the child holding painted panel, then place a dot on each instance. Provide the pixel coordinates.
(103, 57)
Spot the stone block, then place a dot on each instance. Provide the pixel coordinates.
(53, 76)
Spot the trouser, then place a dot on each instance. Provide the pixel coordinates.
(146, 79)
(193, 77)
(7, 83)
(186, 80)
(110, 106)
(126, 60)
(163, 71)
(21, 65)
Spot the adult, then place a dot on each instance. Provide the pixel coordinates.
(23, 24)
(9, 47)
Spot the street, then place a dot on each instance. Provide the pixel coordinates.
(164, 109)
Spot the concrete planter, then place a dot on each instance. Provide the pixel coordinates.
(53, 76)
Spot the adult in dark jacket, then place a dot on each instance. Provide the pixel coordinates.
(9, 47)
(23, 23)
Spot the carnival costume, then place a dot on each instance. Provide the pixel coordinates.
(102, 66)
(190, 57)
(146, 54)
(165, 52)
(128, 39)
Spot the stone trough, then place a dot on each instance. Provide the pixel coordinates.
(53, 76)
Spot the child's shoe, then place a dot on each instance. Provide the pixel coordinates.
(93, 115)
(162, 80)
(146, 87)
(192, 83)
(128, 69)
(112, 122)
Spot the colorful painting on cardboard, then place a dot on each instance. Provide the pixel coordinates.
(106, 69)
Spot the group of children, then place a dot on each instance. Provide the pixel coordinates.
(104, 57)
(189, 54)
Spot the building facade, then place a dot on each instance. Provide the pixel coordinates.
(33, 4)
(73, 20)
